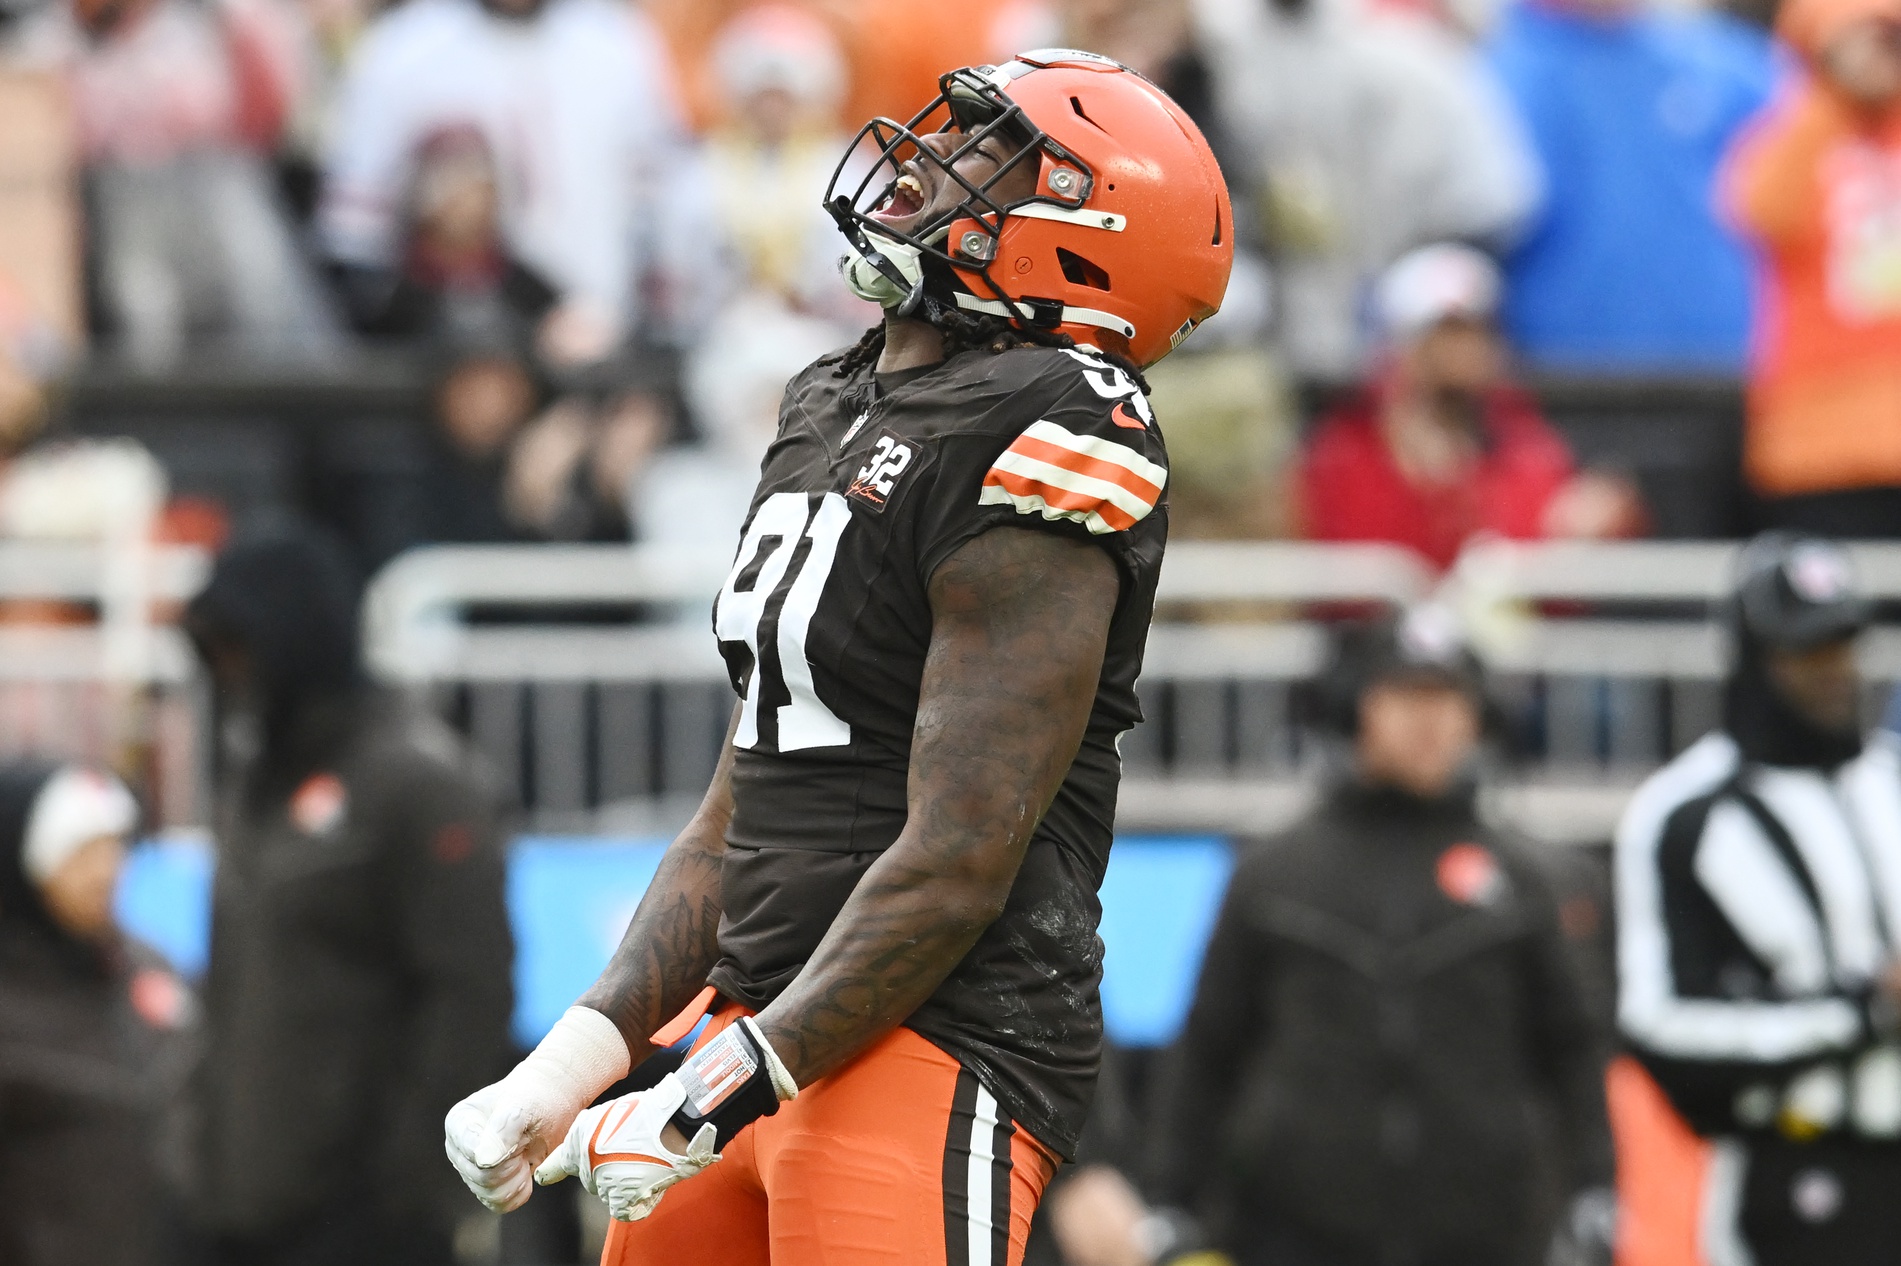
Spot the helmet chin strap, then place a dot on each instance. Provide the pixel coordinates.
(880, 269)
(884, 271)
(1066, 315)
(890, 273)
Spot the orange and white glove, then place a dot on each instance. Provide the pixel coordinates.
(617, 1150)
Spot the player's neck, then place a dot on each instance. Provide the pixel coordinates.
(909, 344)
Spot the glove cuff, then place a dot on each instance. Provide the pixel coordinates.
(731, 1082)
(782, 1083)
(584, 1051)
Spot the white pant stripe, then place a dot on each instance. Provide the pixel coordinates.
(1719, 1228)
(983, 1136)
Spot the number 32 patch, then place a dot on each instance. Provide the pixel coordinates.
(891, 457)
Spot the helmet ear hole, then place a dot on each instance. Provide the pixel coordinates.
(1075, 103)
(1081, 272)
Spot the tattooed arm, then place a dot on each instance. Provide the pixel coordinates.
(1020, 622)
(497, 1136)
(672, 943)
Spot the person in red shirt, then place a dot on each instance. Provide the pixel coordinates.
(1441, 446)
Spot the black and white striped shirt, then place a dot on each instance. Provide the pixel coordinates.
(1757, 909)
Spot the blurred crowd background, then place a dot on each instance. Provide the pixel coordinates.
(317, 283)
(535, 270)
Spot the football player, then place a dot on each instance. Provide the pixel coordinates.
(934, 621)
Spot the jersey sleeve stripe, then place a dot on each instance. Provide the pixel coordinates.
(1030, 497)
(1084, 464)
(1085, 490)
(1103, 450)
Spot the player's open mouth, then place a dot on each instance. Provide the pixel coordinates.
(904, 201)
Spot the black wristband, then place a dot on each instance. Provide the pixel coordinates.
(727, 1083)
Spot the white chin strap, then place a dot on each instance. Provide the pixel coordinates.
(864, 279)
(1070, 316)
(868, 283)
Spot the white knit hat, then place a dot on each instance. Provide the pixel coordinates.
(784, 47)
(1433, 283)
(76, 806)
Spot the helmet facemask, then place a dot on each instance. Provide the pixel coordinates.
(897, 268)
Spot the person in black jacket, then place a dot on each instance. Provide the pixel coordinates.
(360, 950)
(1389, 1017)
(93, 1032)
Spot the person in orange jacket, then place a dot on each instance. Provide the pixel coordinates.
(897, 48)
(1817, 184)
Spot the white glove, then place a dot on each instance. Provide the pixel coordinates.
(497, 1135)
(616, 1151)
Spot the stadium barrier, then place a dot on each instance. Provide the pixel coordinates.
(93, 667)
(1605, 656)
(607, 728)
(587, 677)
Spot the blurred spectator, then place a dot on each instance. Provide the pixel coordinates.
(483, 399)
(503, 461)
(1442, 446)
(689, 28)
(749, 212)
(898, 48)
(570, 473)
(1626, 269)
(455, 280)
(1759, 971)
(1814, 185)
(177, 103)
(1233, 431)
(29, 351)
(1388, 1011)
(575, 101)
(328, 30)
(91, 1031)
(895, 49)
(81, 490)
(67, 489)
(734, 382)
(1365, 135)
(360, 951)
(1154, 37)
(42, 284)
(767, 288)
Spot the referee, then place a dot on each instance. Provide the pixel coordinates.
(1758, 900)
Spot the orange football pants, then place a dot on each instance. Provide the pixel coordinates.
(901, 1156)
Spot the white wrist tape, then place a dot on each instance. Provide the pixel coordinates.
(582, 1055)
(782, 1083)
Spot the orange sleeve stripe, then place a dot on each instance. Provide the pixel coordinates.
(1095, 468)
(1061, 498)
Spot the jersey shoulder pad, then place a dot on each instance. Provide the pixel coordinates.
(1094, 457)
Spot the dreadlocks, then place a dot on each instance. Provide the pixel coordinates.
(969, 332)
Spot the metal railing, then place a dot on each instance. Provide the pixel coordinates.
(93, 668)
(588, 678)
(1605, 656)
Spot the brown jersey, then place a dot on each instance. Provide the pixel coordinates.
(825, 621)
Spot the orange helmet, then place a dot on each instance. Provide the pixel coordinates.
(1126, 242)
